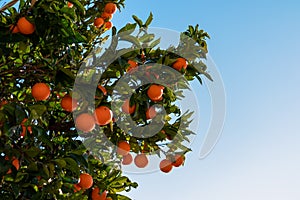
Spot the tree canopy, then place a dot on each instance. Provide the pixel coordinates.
(69, 120)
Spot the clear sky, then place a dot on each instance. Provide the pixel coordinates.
(256, 47)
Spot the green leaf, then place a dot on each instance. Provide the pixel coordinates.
(72, 165)
(32, 151)
(60, 162)
(137, 20)
(38, 109)
(129, 28)
(131, 39)
(149, 20)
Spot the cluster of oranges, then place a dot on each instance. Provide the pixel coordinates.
(106, 16)
(86, 182)
(142, 161)
(24, 26)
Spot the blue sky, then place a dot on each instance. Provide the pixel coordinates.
(256, 47)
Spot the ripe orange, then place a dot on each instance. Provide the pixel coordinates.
(106, 16)
(98, 22)
(127, 159)
(103, 89)
(179, 64)
(85, 122)
(123, 148)
(151, 113)
(40, 91)
(141, 160)
(165, 166)
(77, 188)
(97, 196)
(68, 103)
(132, 65)
(14, 29)
(108, 25)
(103, 115)
(155, 92)
(110, 8)
(126, 108)
(25, 27)
(179, 160)
(70, 5)
(85, 181)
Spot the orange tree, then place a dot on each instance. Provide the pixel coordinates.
(46, 152)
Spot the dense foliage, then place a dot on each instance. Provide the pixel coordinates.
(42, 152)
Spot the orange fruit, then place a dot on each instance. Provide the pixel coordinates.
(127, 159)
(126, 108)
(77, 188)
(103, 115)
(180, 64)
(165, 166)
(178, 160)
(40, 91)
(68, 103)
(14, 29)
(155, 92)
(25, 27)
(15, 162)
(85, 181)
(98, 22)
(70, 5)
(85, 122)
(110, 8)
(151, 113)
(24, 128)
(97, 196)
(103, 89)
(106, 16)
(108, 25)
(123, 148)
(132, 65)
(141, 160)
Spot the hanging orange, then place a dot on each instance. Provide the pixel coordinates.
(85, 181)
(40, 91)
(110, 8)
(103, 115)
(25, 27)
(85, 122)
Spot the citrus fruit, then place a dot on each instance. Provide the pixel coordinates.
(77, 188)
(151, 113)
(180, 64)
(126, 108)
(85, 122)
(40, 91)
(70, 5)
(127, 159)
(132, 65)
(103, 89)
(85, 181)
(110, 8)
(24, 128)
(25, 27)
(108, 25)
(178, 160)
(123, 148)
(165, 166)
(141, 160)
(98, 22)
(68, 103)
(103, 115)
(97, 196)
(14, 29)
(106, 16)
(155, 92)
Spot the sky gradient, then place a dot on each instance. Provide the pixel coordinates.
(256, 46)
